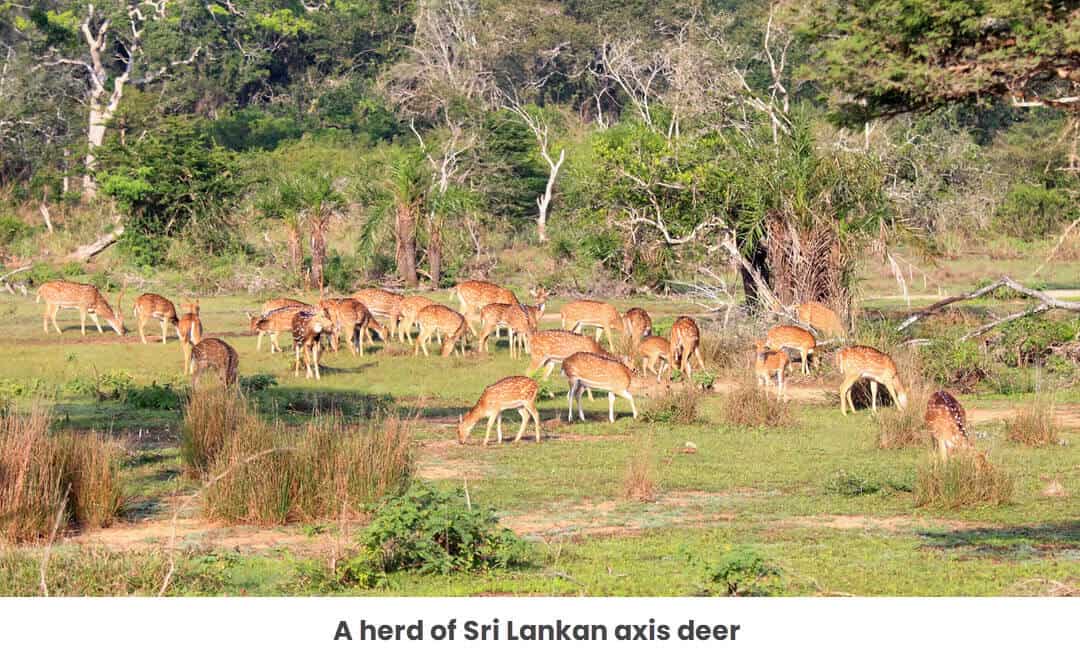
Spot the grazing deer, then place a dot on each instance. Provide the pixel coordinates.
(274, 323)
(655, 353)
(515, 392)
(535, 312)
(546, 348)
(381, 303)
(793, 337)
(768, 363)
(86, 298)
(637, 324)
(597, 371)
(191, 331)
(153, 306)
(308, 328)
(518, 319)
(475, 294)
(821, 318)
(859, 362)
(406, 313)
(603, 316)
(278, 303)
(947, 422)
(214, 354)
(439, 318)
(685, 338)
(352, 318)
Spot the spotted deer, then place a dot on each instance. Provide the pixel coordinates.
(352, 319)
(793, 337)
(515, 392)
(86, 298)
(308, 329)
(153, 306)
(637, 324)
(475, 294)
(859, 362)
(685, 339)
(191, 331)
(578, 314)
(518, 319)
(439, 318)
(546, 348)
(535, 313)
(947, 422)
(214, 354)
(407, 311)
(597, 371)
(821, 318)
(655, 354)
(381, 303)
(277, 303)
(274, 323)
(768, 364)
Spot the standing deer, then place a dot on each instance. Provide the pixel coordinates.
(381, 303)
(274, 323)
(515, 392)
(518, 319)
(821, 318)
(768, 363)
(352, 318)
(439, 318)
(308, 328)
(578, 314)
(214, 354)
(406, 312)
(277, 303)
(546, 348)
(793, 337)
(191, 331)
(153, 306)
(637, 324)
(655, 353)
(595, 371)
(86, 298)
(475, 294)
(947, 422)
(685, 340)
(859, 362)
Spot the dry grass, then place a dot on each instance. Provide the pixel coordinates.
(212, 414)
(74, 475)
(724, 351)
(268, 475)
(749, 405)
(1035, 425)
(676, 406)
(965, 479)
(906, 428)
(639, 481)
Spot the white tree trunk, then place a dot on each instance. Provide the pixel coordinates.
(95, 137)
(544, 201)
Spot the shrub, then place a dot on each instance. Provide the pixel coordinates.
(851, 485)
(152, 397)
(43, 475)
(639, 483)
(211, 415)
(12, 229)
(956, 364)
(967, 478)
(675, 406)
(256, 383)
(1034, 425)
(750, 406)
(433, 531)
(1031, 340)
(268, 475)
(1034, 211)
(743, 572)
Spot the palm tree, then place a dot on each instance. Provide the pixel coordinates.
(312, 198)
(405, 195)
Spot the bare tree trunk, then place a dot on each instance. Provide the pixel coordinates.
(545, 200)
(406, 244)
(318, 252)
(296, 249)
(434, 253)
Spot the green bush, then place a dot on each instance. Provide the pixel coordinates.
(1034, 211)
(851, 485)
(957, 364)
(12, 229)
(256, 383)
(433, 531)
(340, 272)
(163, 397)
(743, 572)
(1030, 340)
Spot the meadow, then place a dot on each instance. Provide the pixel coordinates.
(817, 500)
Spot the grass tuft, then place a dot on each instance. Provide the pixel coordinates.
(639, 480)
(748, 405)
(212, 414)
(681, 407)
(966, 479)
(1034, 426)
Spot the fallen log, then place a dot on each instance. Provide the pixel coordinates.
(87, 252)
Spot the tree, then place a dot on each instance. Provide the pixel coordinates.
(889, 57)
(311, 198)
(534, 119)
(403, 193)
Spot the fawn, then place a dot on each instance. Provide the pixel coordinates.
(191, 331)
(308, 328)
(655, 353)
(947, 422)
(768, 363)
(685, 340)
(793, 337)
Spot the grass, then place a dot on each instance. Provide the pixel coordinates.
(752, 406)
(639, 480)
(965, 479)
(767, 488)
(1035, 425)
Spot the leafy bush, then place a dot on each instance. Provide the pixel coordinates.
(340, 273)
(743, 572)
(966, 479)
(1030, 340)
(1034, 211)
(956, 364)
(163, 397)
(851, 485)
(433, 531)
(256, 383)
(74, 475)
(12, 229)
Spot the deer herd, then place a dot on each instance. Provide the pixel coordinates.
(586, 365)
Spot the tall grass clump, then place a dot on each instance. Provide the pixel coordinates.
(43, 476)
(268, 475)
(681, 407)
(965, 479)
(639, 480)
(749, 405)
(211, 415)
(1034, 425)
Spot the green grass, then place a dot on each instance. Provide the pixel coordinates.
(768, 488)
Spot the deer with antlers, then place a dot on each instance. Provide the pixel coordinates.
(308, 329)
(440, 319)
(576, 315)
(86, 298)
(515, 392)
(191, 331)
(153, 306)
(214, 354)
(685, 340)
(585, 370)
(768, 364)
(860, 362)
(793, 337)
